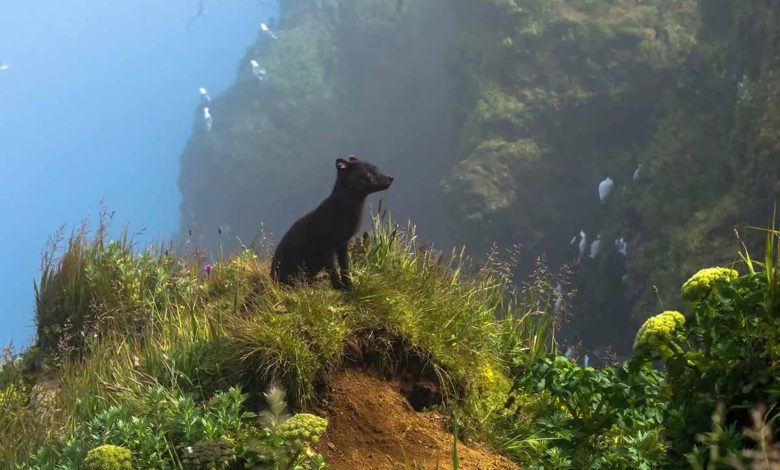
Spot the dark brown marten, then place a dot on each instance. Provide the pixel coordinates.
(323, 234)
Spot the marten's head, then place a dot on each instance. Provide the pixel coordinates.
(360, 178)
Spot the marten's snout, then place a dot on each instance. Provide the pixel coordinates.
(388, 181)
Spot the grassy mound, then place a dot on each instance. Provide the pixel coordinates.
(122, 334)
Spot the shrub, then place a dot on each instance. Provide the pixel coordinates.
(93, 280)
(726, 351)
(725, 447)
(154, 423)
(592, 418)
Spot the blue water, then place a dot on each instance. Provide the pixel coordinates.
(99, 103)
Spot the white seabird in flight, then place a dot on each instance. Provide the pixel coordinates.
(264, 27)
(595, 247)
(558, 294)
(621, 246)
(605, 188)
(204, 95)
(583, 245)
(257, 71)
(207, 118)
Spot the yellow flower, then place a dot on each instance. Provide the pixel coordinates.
(700, 284)
(303, 426)
(657, 334)
(108, 457)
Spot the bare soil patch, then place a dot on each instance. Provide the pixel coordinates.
(373, 426)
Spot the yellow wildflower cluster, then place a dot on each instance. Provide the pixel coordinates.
(700, 284)
(108, 457)
(303, 427)
(656, 336)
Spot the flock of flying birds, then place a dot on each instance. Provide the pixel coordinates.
(592, 251)
(257, 71)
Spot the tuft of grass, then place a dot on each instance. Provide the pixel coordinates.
(293, 336)
(771, 263)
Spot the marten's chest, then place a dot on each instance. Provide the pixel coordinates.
(348, 227)
(338, 220)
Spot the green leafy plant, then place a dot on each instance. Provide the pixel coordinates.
(725, 351)
(96, 281)
(283, 442)
(155, 425)
(594, 418)
(724, 447)
(208, 455)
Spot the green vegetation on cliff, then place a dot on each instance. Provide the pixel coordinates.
(711, 162)
(681, 87)
(560, 92)
(161, 355)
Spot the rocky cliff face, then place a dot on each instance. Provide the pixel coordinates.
(712, 158)
(561, 95)
(500, 117)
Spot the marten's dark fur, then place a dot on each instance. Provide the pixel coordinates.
(323, 234)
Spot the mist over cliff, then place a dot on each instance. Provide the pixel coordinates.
(366, 78)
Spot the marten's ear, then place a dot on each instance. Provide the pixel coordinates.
(352, 158)
(342, 164)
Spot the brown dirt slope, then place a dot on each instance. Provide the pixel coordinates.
(373, 427)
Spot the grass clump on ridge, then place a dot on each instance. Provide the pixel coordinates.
(115, 324)
(406, 302)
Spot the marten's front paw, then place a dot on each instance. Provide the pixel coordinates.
(346, 283)
(340, 284)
